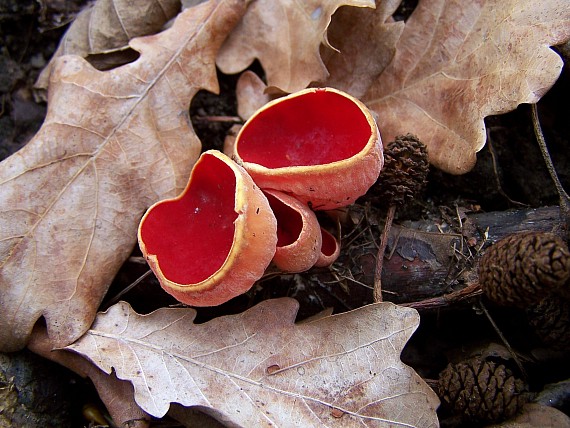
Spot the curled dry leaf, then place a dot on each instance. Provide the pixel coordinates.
(108, 25)
(360, 56)
(457, 63)
(258, 368)
(112, 144)
(285, 36)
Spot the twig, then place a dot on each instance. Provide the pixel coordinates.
(381, 251)
(496, 172)
(472, 290)
(503, 338)
(231, 119)
(564, 198)
(125, 290)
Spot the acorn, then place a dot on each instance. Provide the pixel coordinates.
(406, 166)
(481, 390)
(523, 268)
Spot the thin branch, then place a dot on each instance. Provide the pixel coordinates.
(564, 198)
(503, 338)
(124, 291)
(381, 252)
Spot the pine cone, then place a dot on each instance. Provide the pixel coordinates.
(480, 390)
(551, 322)
(523, 268)
(405, 171)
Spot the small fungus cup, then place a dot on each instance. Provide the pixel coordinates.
(213, 241)
(320, 145)
(330, 249)
(298, 233)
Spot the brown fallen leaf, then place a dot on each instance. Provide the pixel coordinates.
(258, 368)
(250, 94)
(537, 415)
(362, 54)
(116, 394)
(285, 36)
(112, 144)
(108, 25)
(457, 63)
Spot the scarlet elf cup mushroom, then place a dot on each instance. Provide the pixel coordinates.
(320, 145)
(213, 241)
(299, 238)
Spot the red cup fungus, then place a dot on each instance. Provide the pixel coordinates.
(320, 145)
(330, 249)
(213, 241)
(298, 233)
(315, 149)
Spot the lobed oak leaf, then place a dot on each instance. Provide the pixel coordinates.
(116, 394)
(108, 25)
(260, 369)
(285, 36)
(458, 62)
(112, 144)
(361, 55)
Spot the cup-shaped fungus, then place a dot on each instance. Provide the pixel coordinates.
(320, 144)
(298, 233)
(330, 249)
(213, 241)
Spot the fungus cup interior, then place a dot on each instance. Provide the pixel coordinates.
(329, 245)
(289, 221)
(192, 235)
(315, 128)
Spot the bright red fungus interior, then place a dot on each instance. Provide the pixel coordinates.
(311, 129)
(192, 236)
(289, 221)
(329, 243)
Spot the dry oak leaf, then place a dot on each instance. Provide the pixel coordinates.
(285, 35)
(458, 62)
(536, 415)
(250, 94)
(108, 25)
(260, 369)
(116, 394)
(362, 54)
(112, 144)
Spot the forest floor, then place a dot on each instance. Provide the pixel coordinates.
(510, 174)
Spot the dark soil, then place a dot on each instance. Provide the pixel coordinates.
(510, 173)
